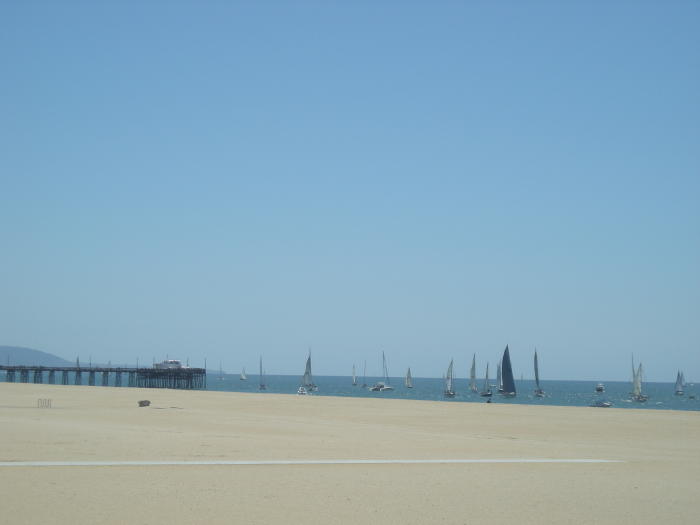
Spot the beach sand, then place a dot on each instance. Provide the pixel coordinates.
(656, 480)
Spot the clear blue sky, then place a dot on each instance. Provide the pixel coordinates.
(431, 179)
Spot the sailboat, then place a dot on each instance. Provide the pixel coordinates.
(381, 386)
(508, 388)
(449, 390)
(472, 376)
(262, 385)
(408, 382)
(637, 384)
(243, 376)
(354, 377)
(307, 381)
(221, 372)
(538, 391)
(679, 384)
(487, 388)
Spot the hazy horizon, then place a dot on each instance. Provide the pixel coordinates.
(234, 180)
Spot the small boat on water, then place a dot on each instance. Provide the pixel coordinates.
(449, 390)
(262, 385)
(354, 377)
(538, 390)
(637, 394)
(382, 386)
(508, 388)
(601, 404)
(243, 376)
(600, 387)
(679, 384)
(487, 388)
(472, 376)
(408, 382)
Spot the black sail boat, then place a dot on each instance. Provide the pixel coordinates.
(507, 375)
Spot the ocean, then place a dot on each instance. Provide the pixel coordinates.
(558, 393)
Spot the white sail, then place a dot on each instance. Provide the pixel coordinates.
(243, 376)
(472, 375)
(354, 377)
(308, 380)
(449, 390)
(408, 382)
(637, 384)
(499, 377)
(679, 383)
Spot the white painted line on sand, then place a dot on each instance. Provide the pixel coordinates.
(293, 462)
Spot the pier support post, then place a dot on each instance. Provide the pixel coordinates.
(24, 376)
(52, 377)
(64, 377)
(78, 378)
(105, 378)
(118, 378)
(38, 375)
(91, 378)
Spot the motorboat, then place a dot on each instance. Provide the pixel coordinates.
(600, 387)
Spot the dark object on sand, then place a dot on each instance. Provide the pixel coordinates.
(144, 403)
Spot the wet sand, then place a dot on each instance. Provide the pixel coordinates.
(657, 478)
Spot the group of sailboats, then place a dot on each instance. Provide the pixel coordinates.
(637, 394)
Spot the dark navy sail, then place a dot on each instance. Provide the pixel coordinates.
(507, 374)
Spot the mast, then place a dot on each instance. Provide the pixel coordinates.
(487, 387)
(537, 373)
(507, 374)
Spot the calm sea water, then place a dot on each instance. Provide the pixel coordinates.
(562, 393)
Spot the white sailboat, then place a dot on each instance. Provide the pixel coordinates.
(408, 382)
(221, 372)
(243, 376)
(354, 377)
(637, 384)
(262, 385)
(538, 391)
(381, 386)
(307, 381)
(679, 384)
(487, 388)
(472, 376)
(449, 388)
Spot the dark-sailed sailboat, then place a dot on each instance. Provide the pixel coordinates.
(507, 375)
(538, 391)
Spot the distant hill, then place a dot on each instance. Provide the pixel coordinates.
(26, 356)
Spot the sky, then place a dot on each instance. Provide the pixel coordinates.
(225, 180)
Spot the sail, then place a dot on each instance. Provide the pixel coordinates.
(472, 375)
(682, 380)
(308, 379)
(679, 382)
(409, 380)
(448, 378)
(507, 373)
(243, 376)
(537, 372)
(637, 383)
(354, 377)
(262, 376)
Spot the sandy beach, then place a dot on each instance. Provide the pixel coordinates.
(655, 476)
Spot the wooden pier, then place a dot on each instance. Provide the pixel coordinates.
(181, 378)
